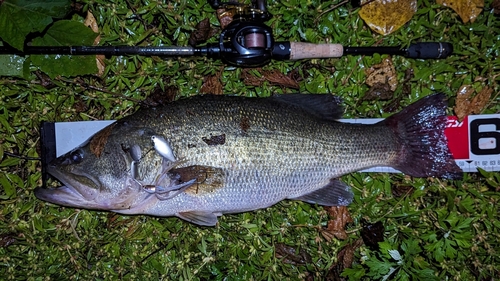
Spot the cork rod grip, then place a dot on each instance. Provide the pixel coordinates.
(299, 50)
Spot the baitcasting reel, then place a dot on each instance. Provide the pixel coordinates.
(246, 41)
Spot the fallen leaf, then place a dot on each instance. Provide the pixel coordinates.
(409, 74)
(290, 255)
(465, 104)
(387, 16)
(251, 80)
(496, 7)
(99, 140)
(345, 258)
(336, 226)
(275, 77)
(91, 22)
(202, 32)
(401, 190)
(372, 234)
(45, 80)
(212, 84)
(382, 73)
(160, 97)
(225, 17)
(379, 91)
(7, 239)
(468, 10)
(396, 102)
(80, 105)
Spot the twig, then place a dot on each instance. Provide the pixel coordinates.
(162, 246)
(329, 10)
(134, 10)
(87, 86)
(22, 157)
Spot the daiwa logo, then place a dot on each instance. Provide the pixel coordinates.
(453, 123)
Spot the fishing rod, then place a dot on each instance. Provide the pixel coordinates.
(246, 42)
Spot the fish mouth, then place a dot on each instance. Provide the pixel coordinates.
(73, 193)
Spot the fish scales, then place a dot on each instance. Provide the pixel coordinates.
(283, 153)
(249, 153)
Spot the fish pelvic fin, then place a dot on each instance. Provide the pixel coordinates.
(335, 193)
(424, 147)
(199, 217)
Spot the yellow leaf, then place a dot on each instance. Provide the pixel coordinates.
(91, 22)
(387, 16)
(382, 73)
(468, 10)
(465, 104)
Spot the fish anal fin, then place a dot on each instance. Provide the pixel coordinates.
(199, 217)
(335, 193)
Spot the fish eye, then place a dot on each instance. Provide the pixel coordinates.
(76, 156)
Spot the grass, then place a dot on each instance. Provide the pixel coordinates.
(442, 230)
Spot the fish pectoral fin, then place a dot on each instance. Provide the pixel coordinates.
(335, 193)
(199, 217)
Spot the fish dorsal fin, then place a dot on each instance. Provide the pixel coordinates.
(335, 193)
(322, 106)
(199, 217)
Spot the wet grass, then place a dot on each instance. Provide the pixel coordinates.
(441, 230)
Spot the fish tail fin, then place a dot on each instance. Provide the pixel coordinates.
(424, 147)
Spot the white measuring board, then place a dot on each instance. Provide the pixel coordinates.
(70, 135)
(474, 142)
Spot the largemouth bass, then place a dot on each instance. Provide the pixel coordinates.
(225, 154)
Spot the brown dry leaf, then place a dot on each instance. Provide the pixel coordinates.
(387, 16)
(290, 255)
(382, 73)
(202, 32)
(91, 22)
(496, 7)
(394, 105)
(345, 258)
(402, 190)
(251, 80)
(225, 17)
(160, 96)
(99, 140)
(45, 80)
(274, 77)
(336, 226)
(468, 10)
(7, 239)
(212, 84)
(379, 91)
(80, 105)
(467, 105)
(372, 234)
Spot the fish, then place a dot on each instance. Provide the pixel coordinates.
(238, 154)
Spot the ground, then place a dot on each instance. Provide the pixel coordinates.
(432, 228)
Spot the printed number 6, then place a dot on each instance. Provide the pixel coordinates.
(475, 136)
